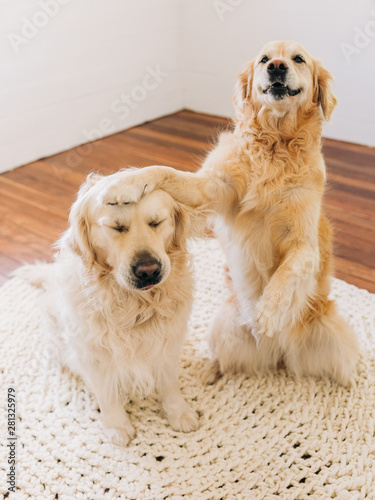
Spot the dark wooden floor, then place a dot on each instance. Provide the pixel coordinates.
(35, 198)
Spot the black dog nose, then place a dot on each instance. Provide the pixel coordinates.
(277, 65)
(146, 269)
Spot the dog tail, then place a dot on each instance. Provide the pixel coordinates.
(35, 274)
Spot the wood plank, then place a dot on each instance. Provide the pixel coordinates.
(355, 273)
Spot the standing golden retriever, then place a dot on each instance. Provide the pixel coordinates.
(119, 298)
(265, 182)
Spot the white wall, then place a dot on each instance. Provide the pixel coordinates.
(68, 79)
(61, 83)
(220, 35)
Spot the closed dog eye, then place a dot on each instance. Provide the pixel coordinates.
(155, 223)
(121, 229)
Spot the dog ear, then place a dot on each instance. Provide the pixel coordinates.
(189, 223)
(323, 94)
(182, 225)
(78, 235)
(243, 87)
(79, 231)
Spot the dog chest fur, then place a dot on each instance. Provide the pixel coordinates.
(134, 333)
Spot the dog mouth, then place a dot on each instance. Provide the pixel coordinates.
(145, 285)
(279, 90)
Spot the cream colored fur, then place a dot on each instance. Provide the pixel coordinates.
(120, 339)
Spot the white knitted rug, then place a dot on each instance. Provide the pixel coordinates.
(259, 437)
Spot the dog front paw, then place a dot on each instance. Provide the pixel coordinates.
(129, 189)
(272, 314)
(185, 420)
(120, 436)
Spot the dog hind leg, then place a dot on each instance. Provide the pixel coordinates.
(236, 350)
(328, 348)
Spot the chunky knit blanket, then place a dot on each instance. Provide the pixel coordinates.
(259, 437)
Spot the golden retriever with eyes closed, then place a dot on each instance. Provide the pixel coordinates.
(119, 298)
(265, 182)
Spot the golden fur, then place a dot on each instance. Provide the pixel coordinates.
(265, 182)
(121, 337)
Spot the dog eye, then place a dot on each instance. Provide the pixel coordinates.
(121, 229)
(154, 223)
(264, 59)
(298, 59)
